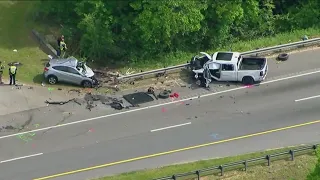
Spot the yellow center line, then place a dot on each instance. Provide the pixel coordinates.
(178, 150)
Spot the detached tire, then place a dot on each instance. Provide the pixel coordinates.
(247, 80)
(283, 57)
(164, 94)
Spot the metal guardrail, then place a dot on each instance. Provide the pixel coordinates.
(241, 164)
(261, 51)
(44, 43)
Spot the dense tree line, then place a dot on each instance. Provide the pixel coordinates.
(122, 30)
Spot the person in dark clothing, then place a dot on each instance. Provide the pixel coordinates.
(1, 72)
(12, 74)
(61, 38)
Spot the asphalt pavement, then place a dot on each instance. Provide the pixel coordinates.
(65, 143)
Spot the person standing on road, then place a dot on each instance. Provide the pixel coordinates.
(12, 74)
(61, 38)
(1, 72)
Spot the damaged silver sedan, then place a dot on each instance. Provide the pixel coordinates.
(71, 71)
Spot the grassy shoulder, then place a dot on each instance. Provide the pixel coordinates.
(16, 24)
(15, 30)
(241, 46)
(281, 169)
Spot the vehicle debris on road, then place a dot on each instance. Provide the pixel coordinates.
(74, 90)
(164, 94)
(90, 100)
(152, 91)
(58, 102)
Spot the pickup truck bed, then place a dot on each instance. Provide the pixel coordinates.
(252, 63)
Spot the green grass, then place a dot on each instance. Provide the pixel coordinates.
(282, 169)
(16, 25)
(15, 30)
(242, 46)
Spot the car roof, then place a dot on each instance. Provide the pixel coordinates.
(70, 62)
(225, 57)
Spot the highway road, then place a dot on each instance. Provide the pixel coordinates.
(226, 121)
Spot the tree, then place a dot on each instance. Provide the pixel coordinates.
(164, 24)
(134, 30)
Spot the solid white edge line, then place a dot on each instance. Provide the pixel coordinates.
(307, 98)
(22, 157)
(158, 105)
(169, 127)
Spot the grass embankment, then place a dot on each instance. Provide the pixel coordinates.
(280, 169)
(16, 25)
(242, 46)
(15, 30)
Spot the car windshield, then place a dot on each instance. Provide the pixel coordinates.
(82, 68)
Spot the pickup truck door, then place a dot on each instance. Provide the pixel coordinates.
(214, 70)
(207, 55)
(228, 73)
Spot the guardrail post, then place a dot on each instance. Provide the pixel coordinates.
(291, 152)
(268, 158)
(174, 177)
(245, 165)
(315, 147)
(221, 169)
(198, 174)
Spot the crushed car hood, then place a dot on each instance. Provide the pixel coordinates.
(89, 73)
(211, 65)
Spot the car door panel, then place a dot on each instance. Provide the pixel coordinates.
(215, 70)
(74, 76)
(228, 73)
(60, 72)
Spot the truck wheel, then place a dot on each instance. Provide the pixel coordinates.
(247, 80)
(283, 57)
(164, 94)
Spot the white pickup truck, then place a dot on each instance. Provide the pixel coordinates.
(229, 66)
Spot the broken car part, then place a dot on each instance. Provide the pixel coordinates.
(164, 94)
(74, 90)
(151, 91)
(283, 57)
(174, 95)
(58, 102)
(113, 102)
(138, 98)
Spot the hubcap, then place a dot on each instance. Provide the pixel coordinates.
(52, 80)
